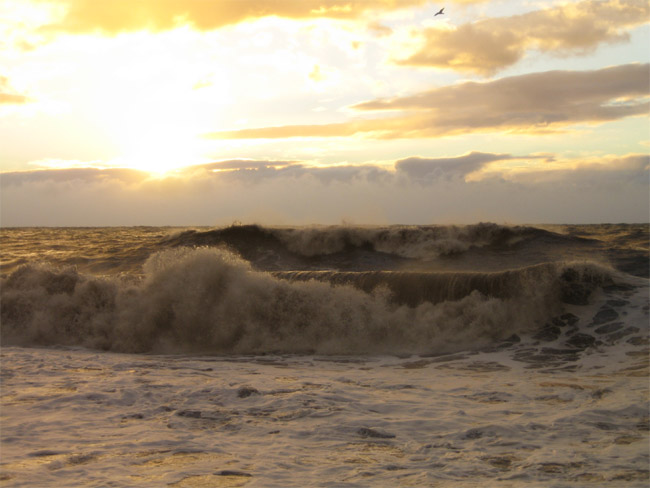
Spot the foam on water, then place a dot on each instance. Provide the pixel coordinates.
(511, 416)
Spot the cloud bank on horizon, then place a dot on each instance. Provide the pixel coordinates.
(411, 191)
(198, 112)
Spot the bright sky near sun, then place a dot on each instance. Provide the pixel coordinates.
(380, 97)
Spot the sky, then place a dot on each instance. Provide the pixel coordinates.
(297, 112)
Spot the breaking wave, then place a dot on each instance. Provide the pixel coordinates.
(209, 300)
(419, 242)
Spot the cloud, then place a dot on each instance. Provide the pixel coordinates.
(286, 131)
(156, 15)
(427, 169)
(613, 188)
(255, 171)
(72, 175)
(414, 169)
(239, 164)
(414, 190)
(610, 171)
(380, 29)
(489, 45)
(532, 103)
(8, 95)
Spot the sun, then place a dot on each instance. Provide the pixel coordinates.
(160, 148)
(155, 137)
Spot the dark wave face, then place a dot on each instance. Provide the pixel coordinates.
(326, 290)
(481, 247)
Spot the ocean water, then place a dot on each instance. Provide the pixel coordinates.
(452, 356)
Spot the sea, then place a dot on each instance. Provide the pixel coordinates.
(327, 356)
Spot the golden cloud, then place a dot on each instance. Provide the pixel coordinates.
(8, 95)
(116, 16)
(532, 103)
(489, 45)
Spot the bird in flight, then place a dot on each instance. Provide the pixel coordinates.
(440, 12)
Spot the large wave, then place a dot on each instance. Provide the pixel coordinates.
(211, 301)
(420, 242)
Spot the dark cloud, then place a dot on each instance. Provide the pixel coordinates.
(244, 170)
(489, 45)
(427, 169)
(351, 174)
(251, 171)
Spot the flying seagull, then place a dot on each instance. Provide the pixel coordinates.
(440, 12)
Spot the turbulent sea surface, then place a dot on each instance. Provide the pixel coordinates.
(452, 356)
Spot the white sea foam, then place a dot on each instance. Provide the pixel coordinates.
(80, 418)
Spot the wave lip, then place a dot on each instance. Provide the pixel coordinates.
(574, 284)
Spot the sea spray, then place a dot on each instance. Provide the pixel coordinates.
(209, 300)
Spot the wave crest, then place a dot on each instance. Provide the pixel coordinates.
(421, 242)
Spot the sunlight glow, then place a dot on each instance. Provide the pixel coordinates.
(152, 108)
(160, 148)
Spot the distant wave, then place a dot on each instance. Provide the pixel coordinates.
(211, 301)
